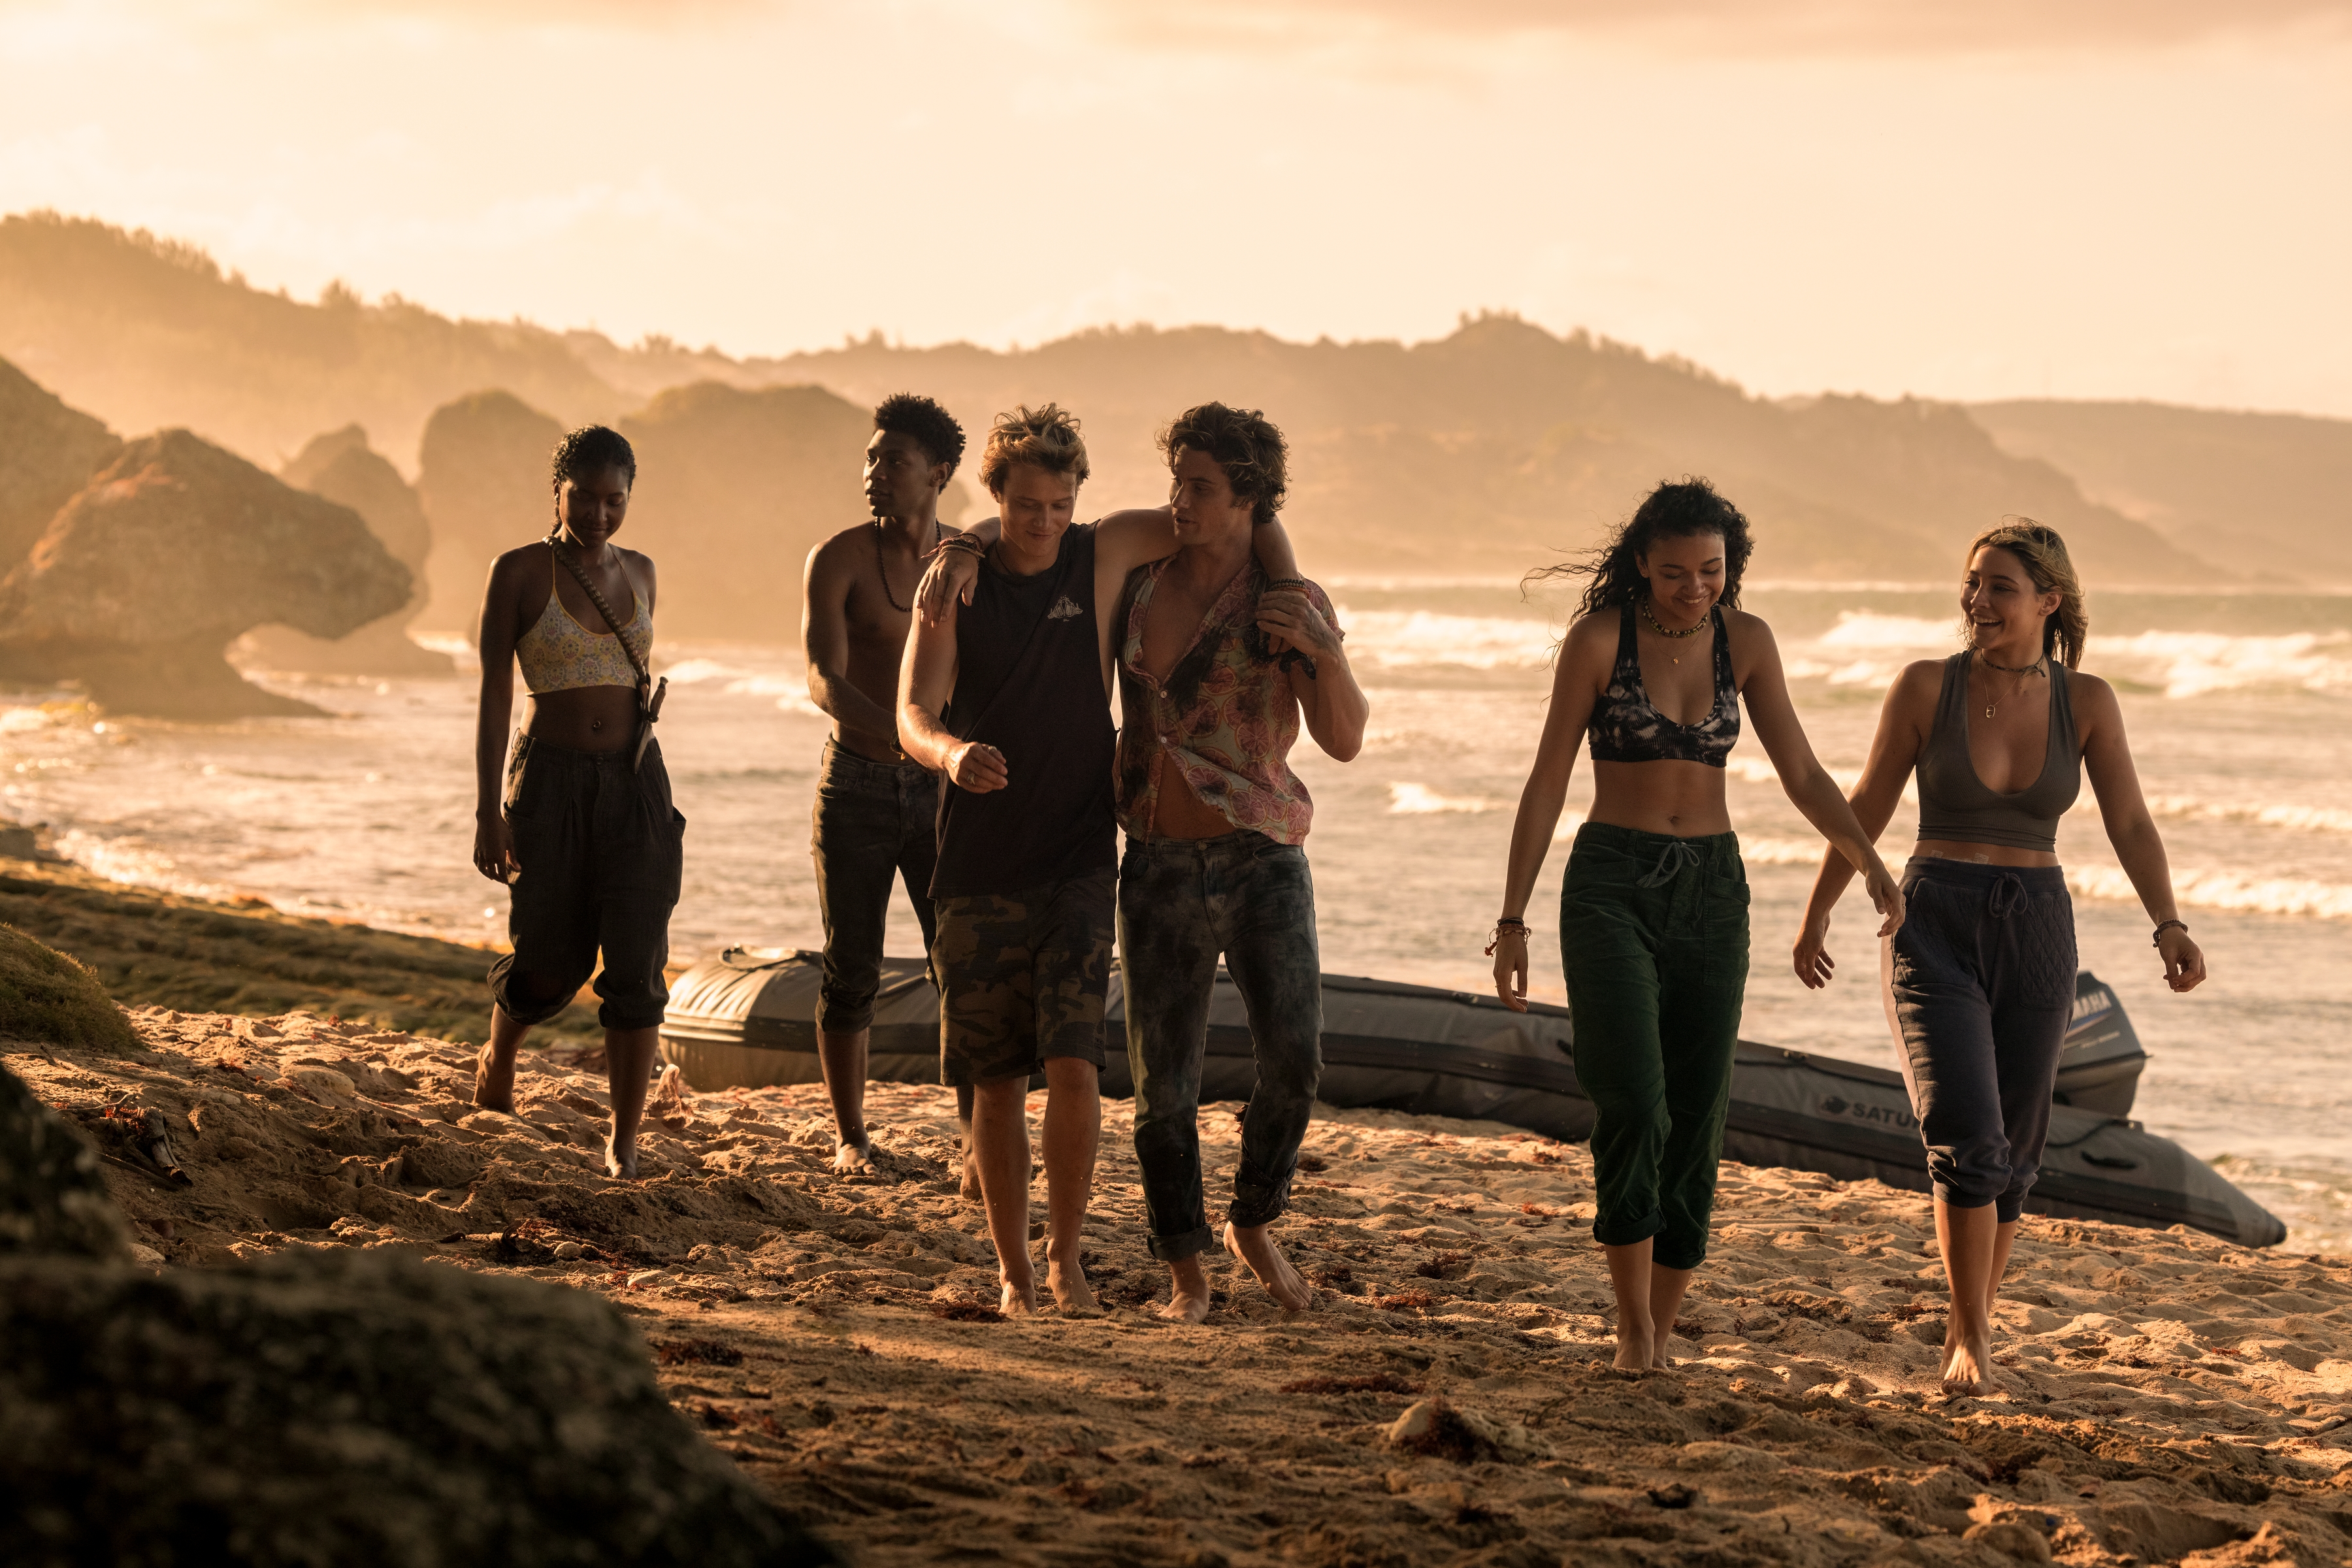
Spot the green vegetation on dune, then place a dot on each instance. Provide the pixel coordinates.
(157, 949)
(51, 998)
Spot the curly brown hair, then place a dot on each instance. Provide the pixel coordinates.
(1673, 510)
(1046, 438)
(1244, 444)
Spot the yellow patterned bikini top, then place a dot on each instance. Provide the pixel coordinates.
(558, 654)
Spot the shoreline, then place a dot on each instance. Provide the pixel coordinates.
(2165, 1396)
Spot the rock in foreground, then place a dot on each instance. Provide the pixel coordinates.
(172, 550)
(351, 1407)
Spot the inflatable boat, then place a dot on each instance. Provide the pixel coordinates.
(748, 1017)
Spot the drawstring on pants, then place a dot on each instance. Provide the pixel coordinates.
(2008, 897)
(1676, 858)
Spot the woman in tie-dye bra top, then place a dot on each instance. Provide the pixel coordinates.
(1653, 914)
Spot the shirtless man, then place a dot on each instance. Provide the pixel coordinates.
(1008, 696)
(875, 806)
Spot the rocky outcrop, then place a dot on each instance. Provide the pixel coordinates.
(339, 1406)
(48, 451)
(340, 467)
(170, 552)
(482, 473)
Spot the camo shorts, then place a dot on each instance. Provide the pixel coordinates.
(1022, 978)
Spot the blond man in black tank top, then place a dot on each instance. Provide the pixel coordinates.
(1981, 979)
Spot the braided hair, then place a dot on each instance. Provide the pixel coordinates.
(592, 446)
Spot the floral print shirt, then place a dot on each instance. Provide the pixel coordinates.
(1226, 716)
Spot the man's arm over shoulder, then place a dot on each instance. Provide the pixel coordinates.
(1127, 540)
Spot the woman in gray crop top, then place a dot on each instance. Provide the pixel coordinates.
(1654, 911)
(1981, 979)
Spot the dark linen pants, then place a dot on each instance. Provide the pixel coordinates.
(602, 848)
(873, 823)
(1654, 941)
(1980, 986)
(1182, 903)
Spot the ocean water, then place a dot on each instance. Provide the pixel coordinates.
(2240, 708)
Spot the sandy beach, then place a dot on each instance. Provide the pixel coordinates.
(2164, 1398)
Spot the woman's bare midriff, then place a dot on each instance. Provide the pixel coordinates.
(1177, 812)
(1981, 853)
(587, 719)
(1681, 799)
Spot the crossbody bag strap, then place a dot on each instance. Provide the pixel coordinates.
(649, 694)
(612, 622)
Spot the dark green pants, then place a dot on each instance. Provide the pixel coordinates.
(1653, 939)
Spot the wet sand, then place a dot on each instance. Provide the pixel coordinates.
(2164, 1396)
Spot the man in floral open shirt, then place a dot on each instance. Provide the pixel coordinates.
(1215, 821)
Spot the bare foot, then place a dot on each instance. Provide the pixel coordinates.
(1072, 1294)
(621, 1164)
(494, 1082)
(1188, 1292)
(852, 1159)
(970, 1193)
(1265, 1261)
(1018, 1299)
(1635, 1350)
(1968, 1362)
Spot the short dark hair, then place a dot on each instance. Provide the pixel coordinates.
(592, 446)
(935, 429)
(1244, 444)
(1045, 438)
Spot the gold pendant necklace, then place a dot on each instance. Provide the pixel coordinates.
(2022, 672)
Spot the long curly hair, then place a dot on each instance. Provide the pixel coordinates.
(2043, 555)
(1673, 510)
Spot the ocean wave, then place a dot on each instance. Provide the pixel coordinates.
(694, 671)
(1408, 799)
(1395, 639)
(2192, 664)
(2211, 889)
(2292, 818)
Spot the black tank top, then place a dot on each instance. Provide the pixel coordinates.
(1029, 682)
(1956, 804)
(1628, 728)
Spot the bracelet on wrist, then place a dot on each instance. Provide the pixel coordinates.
(2157, 940)
(1298, 583)
(1505, 928)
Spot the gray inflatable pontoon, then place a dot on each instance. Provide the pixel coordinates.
(748, 1017)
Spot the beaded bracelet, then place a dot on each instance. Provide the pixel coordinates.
(2158, 938)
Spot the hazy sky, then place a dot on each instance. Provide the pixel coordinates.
(1959, 198)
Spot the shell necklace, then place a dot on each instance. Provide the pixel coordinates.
(1692, 630)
